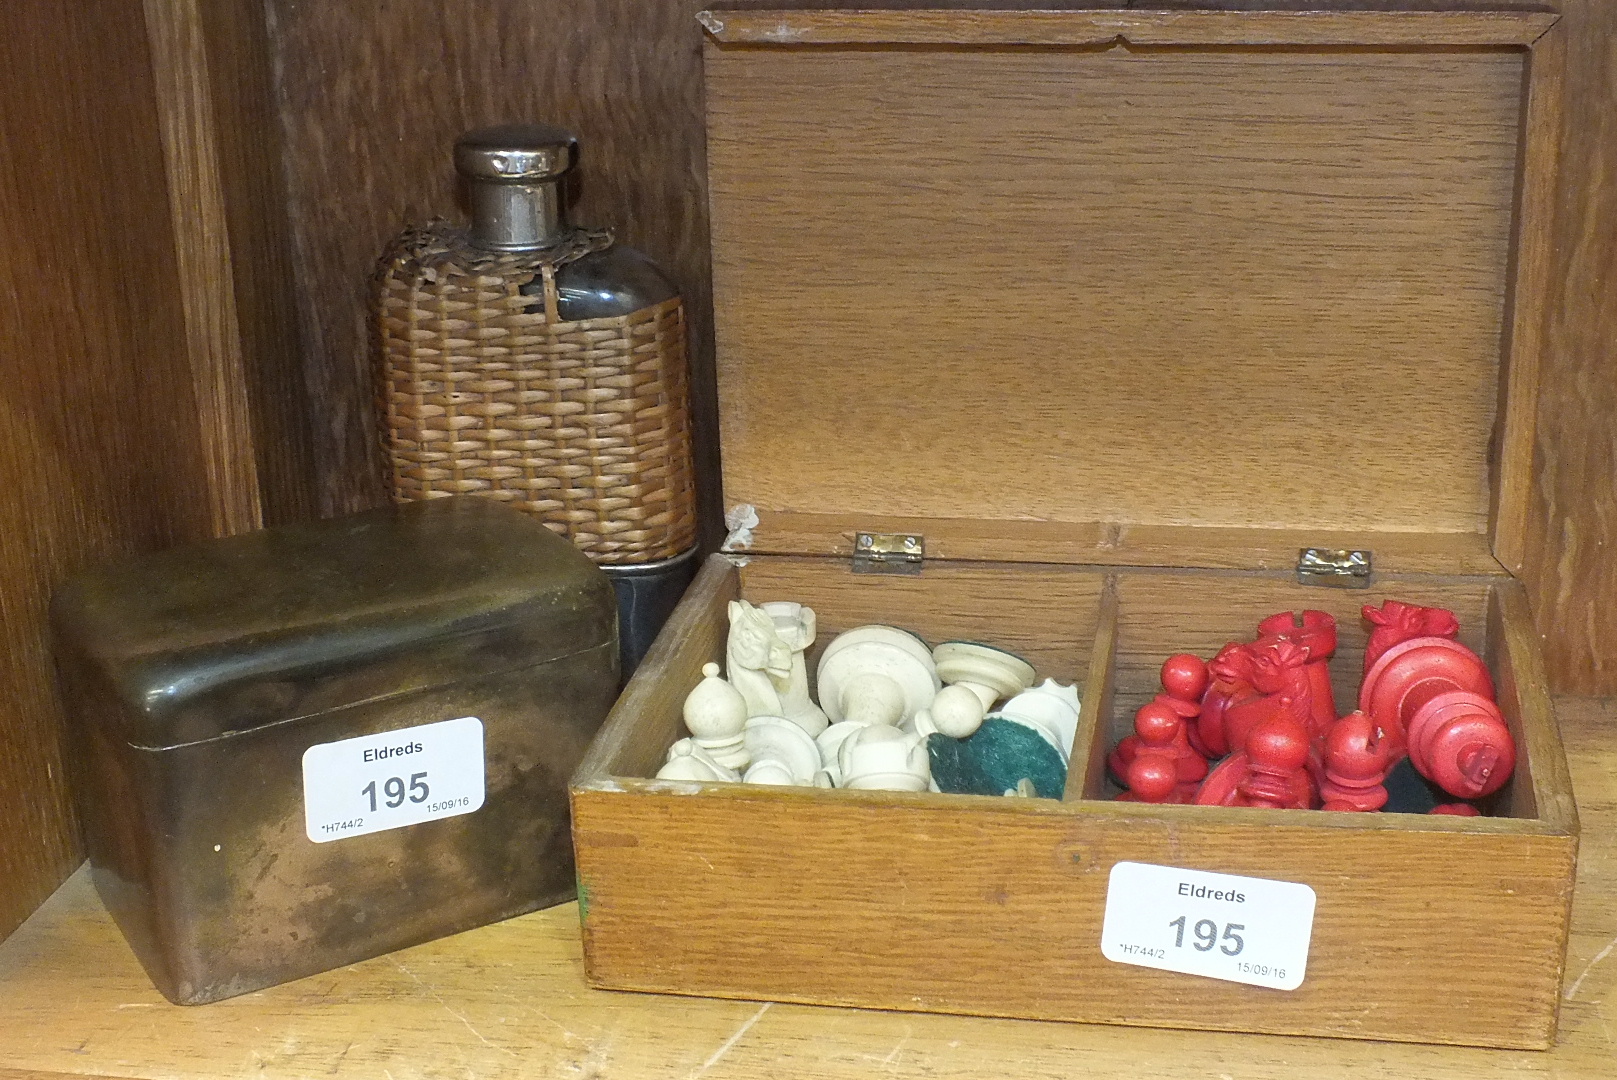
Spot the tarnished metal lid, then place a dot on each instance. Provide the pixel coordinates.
(237, 634)
(516, 153)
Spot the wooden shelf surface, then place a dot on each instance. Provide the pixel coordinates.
(509, 1001)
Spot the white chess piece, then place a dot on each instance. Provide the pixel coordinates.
(1051, 709)
(687, 761)
(830, 742)
(977, 676)
(782, 752)
(768, 668)
(876, 675)
(795, 625)
(715, 713)
(880, 757)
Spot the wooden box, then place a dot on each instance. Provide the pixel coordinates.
(1119, 310)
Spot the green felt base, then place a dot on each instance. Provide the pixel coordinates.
(993, 761)
(1408, 792)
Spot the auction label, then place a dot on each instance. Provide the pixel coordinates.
(392, 779)
(1240, 929)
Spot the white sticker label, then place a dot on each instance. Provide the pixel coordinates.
(392, 779)
(1239, 929)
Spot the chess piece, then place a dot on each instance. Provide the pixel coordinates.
(1395, 622)
(1279, 685)
(688, 761)
(1051, 709)
(1230, 675)
(781, 751)
(766, 665)
(1314, 631)
(830, 741)
(1357, 758)
(1163, 737)
(715, 713)
(877, 675)
(1185, 679)
(1276, 775)
(1435, 699)
(880, 757)
(974, 676)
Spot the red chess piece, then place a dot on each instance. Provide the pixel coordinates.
(1357, 760)
(1163, 738)
(1315, 631)
(1397, 622)
(1281, 686)
(1435, 698)
(1184, 681)
(1230, 676)
(1185, 677)
(1276, 774)
(1276, 777)
(1152, 778)
(1460, 742)
(1457, 809)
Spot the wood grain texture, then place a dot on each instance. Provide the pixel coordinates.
(509, 1001)
(372, 97)
(1202, 269)
(1570, 560)
(1531, 291)
(1032, 27)
(100, 447)
(1002, 881)
(1541, 786)
(1086, 770)
(202, 247)
(246, 149)
(1120, 544)
(951, 891)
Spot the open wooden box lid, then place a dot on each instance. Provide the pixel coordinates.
(1190, 288)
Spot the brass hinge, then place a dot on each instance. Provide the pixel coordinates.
(1334, 568)
(888, 553)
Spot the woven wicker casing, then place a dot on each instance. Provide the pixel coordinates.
(484, 390)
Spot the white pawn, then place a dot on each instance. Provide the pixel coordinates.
(978, 676)
(880, 757)
(715, 712)
(687, 761)
(782, 753)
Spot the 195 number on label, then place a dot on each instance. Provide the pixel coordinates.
(392, 779)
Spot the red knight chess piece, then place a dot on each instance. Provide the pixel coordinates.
(1395, 622)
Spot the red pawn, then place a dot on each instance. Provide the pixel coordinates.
(1276, 773)
(1357, 759)
(1163, 738)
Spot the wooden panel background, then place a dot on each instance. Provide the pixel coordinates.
(1571, 557)
(372, 97)
(100, 450)
(1204, 287)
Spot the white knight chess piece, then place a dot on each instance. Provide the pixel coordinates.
(764, 660)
